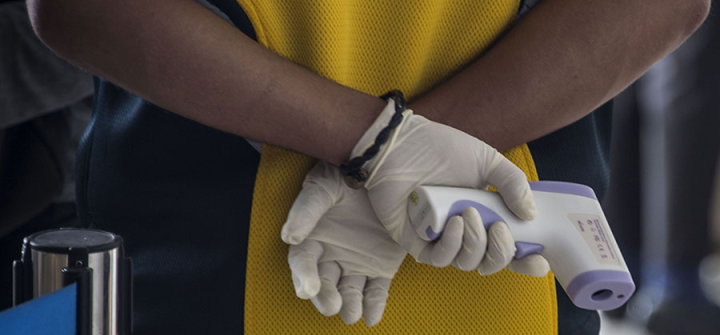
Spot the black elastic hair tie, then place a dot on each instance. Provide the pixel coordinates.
(353, 170)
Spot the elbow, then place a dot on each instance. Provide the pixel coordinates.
(40, 17)
(48, 24)
(692, 13)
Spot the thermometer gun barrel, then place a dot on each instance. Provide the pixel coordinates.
(570, 231)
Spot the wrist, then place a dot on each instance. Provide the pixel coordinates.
(369, 152)
(345, 129)
(371, 133)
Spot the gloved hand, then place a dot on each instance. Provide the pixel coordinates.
(422, 152)
(341, 257)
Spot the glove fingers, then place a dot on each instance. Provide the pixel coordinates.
(474, 241)
(443, 251)
(500, 251)
(376, 294)
(308, 208)
(514, 188)
(328, 300)
(531, 265)
(303, 260)
(351, 289)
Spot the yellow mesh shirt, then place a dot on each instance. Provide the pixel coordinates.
(376, 46)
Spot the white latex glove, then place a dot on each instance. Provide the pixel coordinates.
(341, 257)
(422, 152)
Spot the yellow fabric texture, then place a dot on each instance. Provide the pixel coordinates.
(375, 46)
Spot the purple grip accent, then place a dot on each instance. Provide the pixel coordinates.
(524, 249)
(563, 187)
(600, 289)
(488, 217)
(431, 234)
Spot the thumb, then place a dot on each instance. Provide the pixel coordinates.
(513, 187)
(303, 261)
(532, 265)
(309, 207)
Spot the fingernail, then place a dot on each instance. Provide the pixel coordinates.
(291, 239)
(532, 211)
(307, 290)
(350, 317)
(371, 321)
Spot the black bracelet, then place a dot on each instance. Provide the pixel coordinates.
(355, 174)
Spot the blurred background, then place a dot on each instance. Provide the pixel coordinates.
(45, 106)
(663, 203)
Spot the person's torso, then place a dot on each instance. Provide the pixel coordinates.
(138, 145)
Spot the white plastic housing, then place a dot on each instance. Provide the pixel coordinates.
(570, 231)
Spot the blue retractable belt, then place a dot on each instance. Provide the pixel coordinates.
(51, 314)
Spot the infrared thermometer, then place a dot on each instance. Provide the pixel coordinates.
(570, 231)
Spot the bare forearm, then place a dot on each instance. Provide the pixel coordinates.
(563, 60)
(180, 56)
